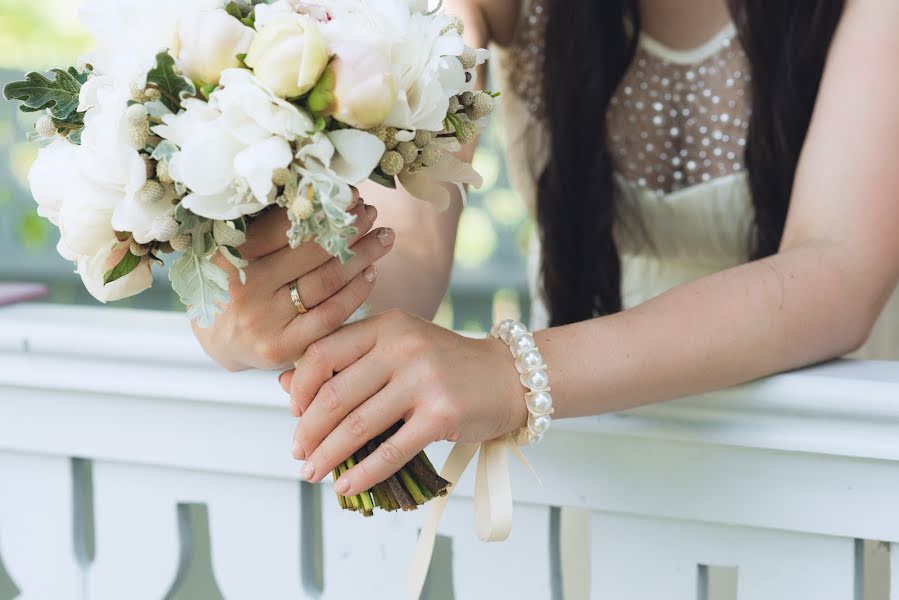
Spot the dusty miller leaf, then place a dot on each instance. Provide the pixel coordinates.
(201, 285)
(59, 95)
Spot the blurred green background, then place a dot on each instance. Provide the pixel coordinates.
(488, 281)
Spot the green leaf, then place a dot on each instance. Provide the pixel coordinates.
(173, 87)
(388, 182)
(128, 263)
(38, 92)
(201, 285)
(233, 9)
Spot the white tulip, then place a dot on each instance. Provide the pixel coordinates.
(93, 270)
(288, 54)
(208, 43)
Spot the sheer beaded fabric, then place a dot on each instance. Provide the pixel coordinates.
(677, 128)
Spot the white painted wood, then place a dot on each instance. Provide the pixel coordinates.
(253, 522)
(894, 571)
(36, 526)
(639, 558)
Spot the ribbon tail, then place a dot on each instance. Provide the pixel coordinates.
(455, 465)
(524, 461)
(493, 492)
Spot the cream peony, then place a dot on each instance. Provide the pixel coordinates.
(289, 53)
(208, 42)
(426, 67)
(357, 88)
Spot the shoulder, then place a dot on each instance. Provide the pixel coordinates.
(494, 20)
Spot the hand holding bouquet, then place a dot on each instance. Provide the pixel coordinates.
(192, 117)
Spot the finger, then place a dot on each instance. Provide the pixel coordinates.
(330, 354)
(340, 400)
(287, 264)
(268, 233)
(322, 283)
(413, 437)
(284, 380)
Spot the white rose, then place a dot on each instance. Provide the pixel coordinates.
(357, 88)
(288, 54)
(208, 42)
(93, 270)
(51, 175)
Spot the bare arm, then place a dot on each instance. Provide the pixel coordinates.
(816, 299)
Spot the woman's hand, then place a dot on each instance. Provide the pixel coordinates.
(395, 367)
(261, 327)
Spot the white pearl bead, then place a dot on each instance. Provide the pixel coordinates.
(502, 330)
(512, 330)
(530, 360)
(540, 403)
(539, 424)
(535, 380)
(522, 343)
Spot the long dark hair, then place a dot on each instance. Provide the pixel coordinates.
(589, 46)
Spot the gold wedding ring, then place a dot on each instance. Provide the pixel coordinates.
(297, 301)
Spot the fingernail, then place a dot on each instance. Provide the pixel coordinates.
(298, 451)
(371, 212)
(356, 202)
(387, 237)
(371, 274)
(308, 471)
(342, 486)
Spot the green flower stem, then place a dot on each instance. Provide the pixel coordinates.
(412, 487)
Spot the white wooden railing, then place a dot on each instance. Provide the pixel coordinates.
(132, 468)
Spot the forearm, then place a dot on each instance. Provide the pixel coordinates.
(415, 276)
(787, 311)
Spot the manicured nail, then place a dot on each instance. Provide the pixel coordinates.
(356, 203)
(371, 274)
(342, 486)
(298, 452)
(371, 212)
(387, 237)
(308, 471)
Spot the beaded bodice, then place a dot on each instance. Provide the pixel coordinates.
(680, 119)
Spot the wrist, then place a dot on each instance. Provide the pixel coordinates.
(533, 377)
(510, 391)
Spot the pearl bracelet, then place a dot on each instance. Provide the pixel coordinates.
(533, 376)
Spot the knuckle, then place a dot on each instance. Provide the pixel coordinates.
(269, 352)
(357, 424)
(330, 395)
(390, 454)
(330, 277)
(332, 316)
(445, 419)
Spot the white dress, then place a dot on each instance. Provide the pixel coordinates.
(677, 126)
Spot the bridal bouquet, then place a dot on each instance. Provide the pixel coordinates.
(193, 116)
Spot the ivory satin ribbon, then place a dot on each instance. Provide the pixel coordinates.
(492, 501)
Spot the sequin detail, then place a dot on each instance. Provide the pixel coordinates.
(673, 125)
(527, 57)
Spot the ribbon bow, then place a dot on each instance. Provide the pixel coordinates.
(492, 501)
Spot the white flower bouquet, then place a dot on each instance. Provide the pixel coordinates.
(193, 116)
